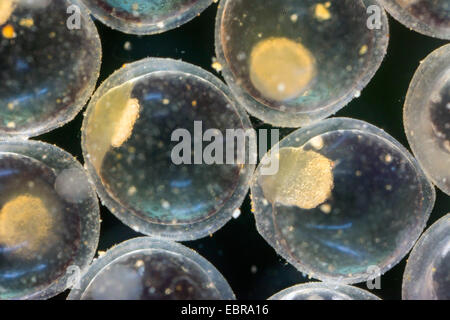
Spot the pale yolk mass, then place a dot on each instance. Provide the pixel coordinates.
(126, 123)
(304, 179)
(25, 224)
(117, 113)
(6, 9)
(281, 69)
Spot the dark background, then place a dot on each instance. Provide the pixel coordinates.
(251, 266)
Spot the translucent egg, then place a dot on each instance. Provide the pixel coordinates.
(49, 220)
(341, 200)
(427, 273)
(427, 116)
(133, 129)
(50, 61)
(323, 291)
(429, 17)
(293, 62)
(146, 16)
(150, 269)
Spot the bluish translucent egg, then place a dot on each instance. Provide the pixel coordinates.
(133, 133)
(341, 200)
(49, 220)
(323, 291)
(50, 61)
(292, 62)
(429, 17)
(146, 16)
(149, 269)
(427, 273)
(426, 116)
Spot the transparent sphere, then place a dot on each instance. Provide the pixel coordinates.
(341, 200)
(143, 138)
(323, 291)
(146, 16)
(49, 220)
(50, 62)
(429, 17)
(292, 62)
(427, 273)
(149, 269)
(427, 116)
